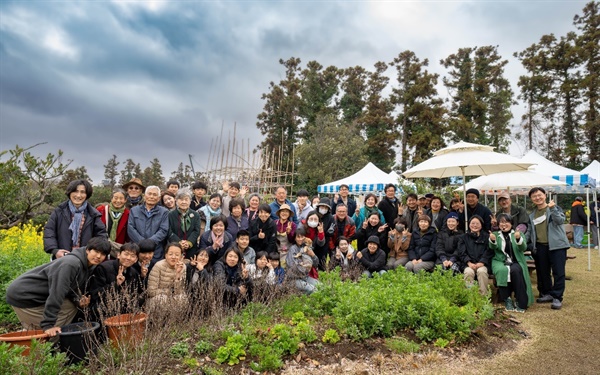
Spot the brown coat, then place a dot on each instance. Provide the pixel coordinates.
(399, 246)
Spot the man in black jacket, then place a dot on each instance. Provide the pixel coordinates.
(47, 297)
(389, 204)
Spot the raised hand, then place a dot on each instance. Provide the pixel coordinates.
(225, 185)
(359, 255)
(120, 276)
(492, 237)
(493, 220)
(243, 191)
(551, 203)
(320, 227)
(382, 228)
(261, 235)
(517, 235)
(194, 261)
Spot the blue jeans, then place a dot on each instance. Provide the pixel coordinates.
(577, 235)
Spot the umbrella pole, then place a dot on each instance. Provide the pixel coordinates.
(587, 201)
(465, 199)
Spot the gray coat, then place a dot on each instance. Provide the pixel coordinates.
(154, 226)
(50, 284)
(557, 237)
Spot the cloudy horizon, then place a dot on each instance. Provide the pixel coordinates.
(146, 79)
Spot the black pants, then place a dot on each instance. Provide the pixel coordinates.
(517, 285)
(550, 264)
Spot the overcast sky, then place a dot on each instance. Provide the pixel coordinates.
(145, 79)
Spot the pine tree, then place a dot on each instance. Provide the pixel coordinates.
(588, 44)
(377, 122)
(110, 171)
(127, 173)
(354, 88)
(420, 117)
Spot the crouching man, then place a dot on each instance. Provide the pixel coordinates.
(47, 297)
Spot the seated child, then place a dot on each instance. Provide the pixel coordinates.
(262, 270)
(167, 280)
(274, 260)
(344, 254)
(242, 244)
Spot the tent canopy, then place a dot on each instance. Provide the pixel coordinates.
(593, 170)
(573, 178)
(368, 179)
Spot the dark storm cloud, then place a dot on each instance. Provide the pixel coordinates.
(144, 80)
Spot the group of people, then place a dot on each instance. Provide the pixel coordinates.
(164, 244)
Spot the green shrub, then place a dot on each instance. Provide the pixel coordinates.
(269, 360)
(305, 332)
(41, 359)
(331, 336)
(179, 350)
(203, 346)
(233, 350)
(402, 345)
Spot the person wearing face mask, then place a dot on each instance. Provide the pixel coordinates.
(325, 217)
(447, 244)
(475, 255)
(316, 233)
(509, 264)
(398, 242)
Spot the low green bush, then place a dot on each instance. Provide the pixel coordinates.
(41, 359)
(402, 345)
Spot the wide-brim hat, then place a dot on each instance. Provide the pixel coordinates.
(285, 206)
(134, 181)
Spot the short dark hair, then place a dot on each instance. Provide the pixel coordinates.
(131, 247)
(147, 246)
(535, 190)
(274, 256)
(72, 187)
(341, 238)
(100, 244)
(237, 202)
(235, 185)
(173, 182)
(371, 195)
(389, 186)
(242, 232)
(215, 219)
(412, 195)
(216, 195)
(300, 231)
(439, 199)
(264, 207)
(261, 254)
(344, 186)
(302, 193)
(199, 185)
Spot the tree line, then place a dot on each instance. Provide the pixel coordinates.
(326, 115)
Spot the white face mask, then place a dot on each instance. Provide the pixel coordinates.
(313, 224)
(323, 210)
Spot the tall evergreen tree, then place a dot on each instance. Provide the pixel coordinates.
(377, 121)
(420, 110)
(481, 96)
(353, 97)
(318, 90)
(588, 43)
(127, 173)
(155, 175)
(280, 121)
(110, 170)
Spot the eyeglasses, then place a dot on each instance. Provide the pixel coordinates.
(133, 188)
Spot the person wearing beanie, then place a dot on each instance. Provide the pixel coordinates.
(421, 251)
(446, 248)
(520, 218)
(343, 197)
(372, 258)
(578, 221)
(473, 207)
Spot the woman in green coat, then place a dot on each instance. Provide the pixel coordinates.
(509, 265)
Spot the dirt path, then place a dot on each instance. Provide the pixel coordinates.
(558, 342)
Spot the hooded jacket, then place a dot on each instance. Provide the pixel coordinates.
(578, 216)
(50, 284)
(422, 245)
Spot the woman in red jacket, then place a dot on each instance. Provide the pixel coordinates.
(114, 216)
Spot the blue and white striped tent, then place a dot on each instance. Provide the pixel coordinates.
(576, 181)
(369, 179)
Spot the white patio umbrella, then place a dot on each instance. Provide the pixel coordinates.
(466, 159)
